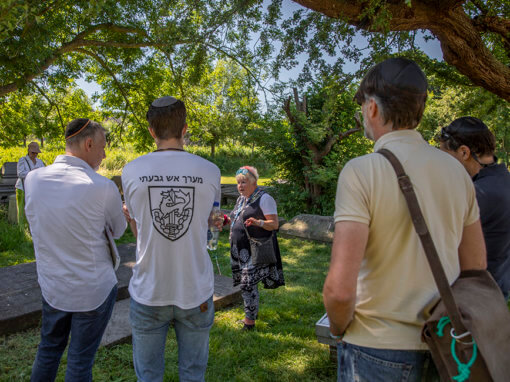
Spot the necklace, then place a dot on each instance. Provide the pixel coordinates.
(168, 149)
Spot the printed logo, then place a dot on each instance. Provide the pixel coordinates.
(171, 209)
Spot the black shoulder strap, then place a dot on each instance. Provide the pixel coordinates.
(26, 160)
(426, 240)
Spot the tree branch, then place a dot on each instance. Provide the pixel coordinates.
(51, 103)
(78, 42)
(104, 65)
(461, 42)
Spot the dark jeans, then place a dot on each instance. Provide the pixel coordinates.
(363, 364)
(86, 329)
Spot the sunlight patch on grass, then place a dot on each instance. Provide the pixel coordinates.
(232, 180)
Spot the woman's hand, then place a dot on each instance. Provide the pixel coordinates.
(253, 222)
(269, 223)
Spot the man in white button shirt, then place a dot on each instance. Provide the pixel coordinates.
(68, 206)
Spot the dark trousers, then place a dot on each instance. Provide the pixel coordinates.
(86, 330)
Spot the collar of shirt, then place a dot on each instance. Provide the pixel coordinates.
(494, 169)
(73, 161)
(411, 136)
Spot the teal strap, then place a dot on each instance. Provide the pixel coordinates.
(441, 324)
(462, 368)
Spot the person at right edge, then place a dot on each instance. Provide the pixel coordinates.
(471, 142)
(169, 196)
(380, 286)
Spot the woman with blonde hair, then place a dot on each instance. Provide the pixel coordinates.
(254, 217)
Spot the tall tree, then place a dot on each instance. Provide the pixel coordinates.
(38, 35)
(308, 149)
(474, 34)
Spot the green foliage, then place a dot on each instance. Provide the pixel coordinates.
(309, 151)
(41, 113)
(229, 158)
(13, 154)
(448, 103)
(15, 242)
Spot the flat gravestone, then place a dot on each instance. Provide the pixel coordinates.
(309, 227)
(12, 215)
(20, 294)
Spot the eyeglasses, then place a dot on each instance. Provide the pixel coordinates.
(244, 171)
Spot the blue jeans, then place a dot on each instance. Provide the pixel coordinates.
(86, 329)
(150, 326)
(363, 364)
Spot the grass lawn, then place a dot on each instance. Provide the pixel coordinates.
(232, 180)
(282, 348)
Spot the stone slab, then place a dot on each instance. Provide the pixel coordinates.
(322, 333)
(309, 227)
(9, 170)
(20, 294)
(118, 330)
(12, 215)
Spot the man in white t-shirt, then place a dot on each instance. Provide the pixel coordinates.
(169, 195)
(379, 282)
(68, 207)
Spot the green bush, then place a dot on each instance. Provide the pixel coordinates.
(229, 158)
(15, 242)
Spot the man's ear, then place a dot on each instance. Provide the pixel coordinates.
(152, 133)
(373, 108)
(464, 152)
(184, 129)
(88, 143)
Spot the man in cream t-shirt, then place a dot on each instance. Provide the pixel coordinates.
(169, 196)
(379, 282)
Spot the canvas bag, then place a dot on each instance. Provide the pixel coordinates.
(473, 309)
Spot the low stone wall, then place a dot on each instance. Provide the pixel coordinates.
(309, 227)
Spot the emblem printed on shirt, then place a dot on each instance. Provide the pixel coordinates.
(171, 210)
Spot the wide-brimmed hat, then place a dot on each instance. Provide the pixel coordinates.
(34, 147)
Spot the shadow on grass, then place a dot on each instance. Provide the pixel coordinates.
(282, 348)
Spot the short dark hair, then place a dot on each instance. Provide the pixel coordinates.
(81, 128)
(399, 87)
(167, 121)
(471, 132)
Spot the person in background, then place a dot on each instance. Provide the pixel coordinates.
(471, 142)
(169, 196)
(379, 284)
(255, 211)
(26, 164)
(68, 207)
